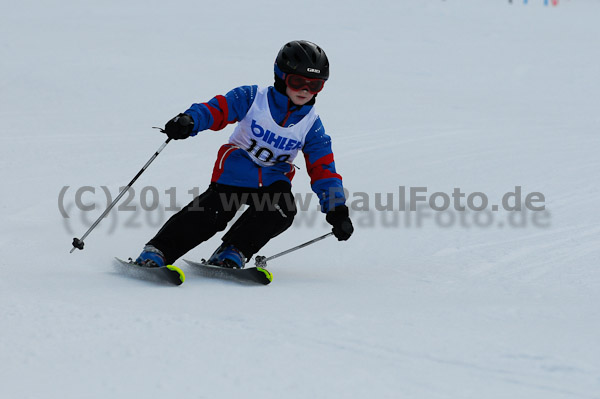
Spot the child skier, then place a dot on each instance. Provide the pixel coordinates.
(255, 167)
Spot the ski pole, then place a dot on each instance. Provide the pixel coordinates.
(261, 261)
(78, 242)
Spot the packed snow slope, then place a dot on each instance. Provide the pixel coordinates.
(480, 96)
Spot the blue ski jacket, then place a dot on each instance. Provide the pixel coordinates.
(235, 167)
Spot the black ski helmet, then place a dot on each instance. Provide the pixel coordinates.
(304, 58)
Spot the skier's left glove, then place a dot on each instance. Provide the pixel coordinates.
(179, 127)
(339, 218)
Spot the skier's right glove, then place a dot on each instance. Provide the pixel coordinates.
(339, 218)
(179, 127)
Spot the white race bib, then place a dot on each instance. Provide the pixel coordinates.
(267, 142)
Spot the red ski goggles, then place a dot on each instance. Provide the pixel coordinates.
(297, 83)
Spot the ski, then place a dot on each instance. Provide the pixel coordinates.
(250, 275)
(169, 273)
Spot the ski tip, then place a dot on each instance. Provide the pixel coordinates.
(267, 273)
(177, 270)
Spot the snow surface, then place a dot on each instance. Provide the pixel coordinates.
(479, 95)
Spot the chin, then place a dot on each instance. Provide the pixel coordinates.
(302, 101)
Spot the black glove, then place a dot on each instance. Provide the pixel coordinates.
(339, 219)
(179, 127)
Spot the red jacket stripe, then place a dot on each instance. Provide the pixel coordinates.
(291, 173)
(316, 171)
(219, 115)
(224, 152)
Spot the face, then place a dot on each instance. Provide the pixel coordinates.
(299, 97)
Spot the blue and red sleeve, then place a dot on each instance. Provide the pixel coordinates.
(324, 179)
(221, 111)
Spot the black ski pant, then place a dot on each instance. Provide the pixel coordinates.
(270, 212)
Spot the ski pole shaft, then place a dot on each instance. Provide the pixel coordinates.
(261, 261)
(78, 242)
